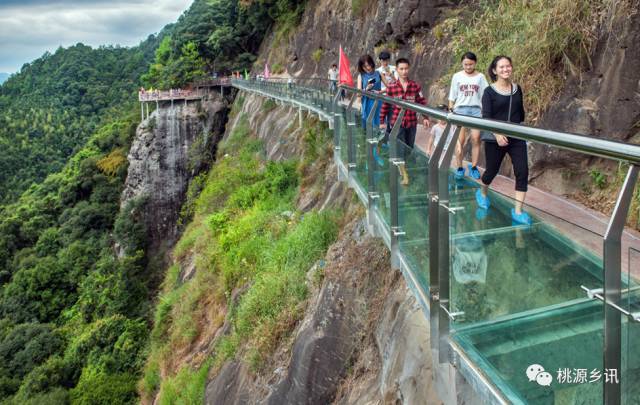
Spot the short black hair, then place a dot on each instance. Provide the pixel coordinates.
(402, 60)
(384, 55)
(469, 55)
(494, 64)
(334, 65)
(365, 59)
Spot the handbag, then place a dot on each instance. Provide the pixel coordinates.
(487, 136)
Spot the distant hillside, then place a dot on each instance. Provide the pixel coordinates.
(50, 108)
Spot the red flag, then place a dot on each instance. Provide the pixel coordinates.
(344, 69)
(267, 74)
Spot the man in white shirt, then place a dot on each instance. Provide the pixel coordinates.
(387, 71)
(333, 78)
(389, 76)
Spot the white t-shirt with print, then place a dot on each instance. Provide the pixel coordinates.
(467, 90)
(333, 74)
(390, 74)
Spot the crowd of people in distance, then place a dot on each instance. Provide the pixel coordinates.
(470, 94)
(155, 94)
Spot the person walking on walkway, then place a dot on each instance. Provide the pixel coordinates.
(503, 101)
(407, 90)
(389, 76)
(465, 98)
(387, 72)
(369, 80)
(333, 78)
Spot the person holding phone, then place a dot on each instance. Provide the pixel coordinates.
(503, 101)
(370, 80)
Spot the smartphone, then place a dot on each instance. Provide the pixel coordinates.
(372, 81)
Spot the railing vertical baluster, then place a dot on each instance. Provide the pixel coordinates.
(371, 163)
(351, 127)
(444, 355)
(394, 162)
(432, 178)
(612, 392)
(336, 122)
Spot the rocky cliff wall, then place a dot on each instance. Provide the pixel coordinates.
(173, 146)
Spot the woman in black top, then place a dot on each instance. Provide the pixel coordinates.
(503, 101)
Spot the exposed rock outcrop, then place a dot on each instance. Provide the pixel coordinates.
(603, 102)
(364, 340)
(277, 126)
(171, 147)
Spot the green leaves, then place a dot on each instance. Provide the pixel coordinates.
(226, 34)
(51, 108)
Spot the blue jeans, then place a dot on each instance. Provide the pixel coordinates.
(469, 110)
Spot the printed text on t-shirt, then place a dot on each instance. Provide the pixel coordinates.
(469, 89)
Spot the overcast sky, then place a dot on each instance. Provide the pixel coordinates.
(28, 28)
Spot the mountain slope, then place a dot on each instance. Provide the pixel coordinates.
(52, 106)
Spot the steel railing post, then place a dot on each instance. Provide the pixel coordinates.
(394, 198)
(371, 144)
(444, 355)
(612, 286)
(432, 178)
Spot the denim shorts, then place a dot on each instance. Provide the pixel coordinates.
(470, 110)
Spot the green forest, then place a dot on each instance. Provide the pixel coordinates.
(52, 107)
(75, 319)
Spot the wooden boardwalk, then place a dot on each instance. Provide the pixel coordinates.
(200, 90)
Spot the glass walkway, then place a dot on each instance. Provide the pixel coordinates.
(540, 314)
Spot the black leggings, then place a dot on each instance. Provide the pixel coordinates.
(494, 154)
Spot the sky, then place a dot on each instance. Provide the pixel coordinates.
(29, 28)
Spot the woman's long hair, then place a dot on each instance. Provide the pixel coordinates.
(365, 59)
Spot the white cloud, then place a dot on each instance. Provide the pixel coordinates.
(29, 28)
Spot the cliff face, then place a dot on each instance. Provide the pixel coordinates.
(603, 102)
(172, 147)
(404, 25)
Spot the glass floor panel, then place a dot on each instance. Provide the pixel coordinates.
(565, 337)
(518, 298)
(360, 142)
(516, 269)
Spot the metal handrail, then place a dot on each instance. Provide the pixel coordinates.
(574, 142)
(590, 145)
